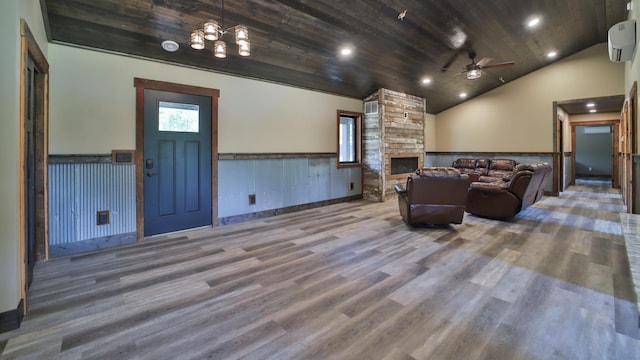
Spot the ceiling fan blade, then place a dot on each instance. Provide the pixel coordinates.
(453, 57)
(506, 63)
(484, 61)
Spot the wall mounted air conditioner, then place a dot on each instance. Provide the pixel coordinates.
(622, 41)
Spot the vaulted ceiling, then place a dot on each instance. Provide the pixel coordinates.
(297, 42)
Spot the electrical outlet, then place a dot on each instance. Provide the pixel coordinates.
(102, 217)
(252, 199)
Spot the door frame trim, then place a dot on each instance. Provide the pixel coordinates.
(141, 85)
(29, 47)
(615, 124)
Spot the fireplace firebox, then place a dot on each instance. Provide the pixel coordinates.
(402, 164)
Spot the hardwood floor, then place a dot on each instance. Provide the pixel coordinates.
(349, 281)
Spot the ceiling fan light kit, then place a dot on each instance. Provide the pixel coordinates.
(474, 74)
(214, 31)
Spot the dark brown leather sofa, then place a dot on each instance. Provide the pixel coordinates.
(437, 195)
(487, 170)
(500, 200)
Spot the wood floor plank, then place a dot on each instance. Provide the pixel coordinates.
(349, 281)
(489, 276)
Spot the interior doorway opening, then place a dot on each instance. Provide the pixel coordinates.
(598, 112)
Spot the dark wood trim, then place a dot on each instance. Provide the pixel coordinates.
(559, 148)
(358, 116)
(633, 139)
(634, 186)
(173, 87)
(11, 320)
(79, 158)
(139, 162)
(557, 184)
(29, 49)
(556, 174)
(33, 48)
(214, 94)
(633, 98)
(595, 122)
(260, 156)
(615, 164)
(572, 181)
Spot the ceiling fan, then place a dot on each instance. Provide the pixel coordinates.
(474, 70)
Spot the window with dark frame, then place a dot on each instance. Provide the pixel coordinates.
(349, 139)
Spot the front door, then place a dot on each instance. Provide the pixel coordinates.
(177, 161)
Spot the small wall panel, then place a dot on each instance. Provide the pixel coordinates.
(77, 191)
(281, 183)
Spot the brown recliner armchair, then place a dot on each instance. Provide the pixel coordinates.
(436, 195)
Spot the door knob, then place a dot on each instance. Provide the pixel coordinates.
(150, 174)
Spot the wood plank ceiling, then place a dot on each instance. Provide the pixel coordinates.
(297, 42)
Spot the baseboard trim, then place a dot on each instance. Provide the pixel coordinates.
(11, 320)
(268, 213)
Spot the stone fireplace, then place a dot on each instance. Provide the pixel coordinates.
(393, 141)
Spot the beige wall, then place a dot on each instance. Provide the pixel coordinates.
(93, 106)
(10, 13)
(430, 132)
(518, 116)
(9, 86)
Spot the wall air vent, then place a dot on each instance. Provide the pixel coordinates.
(371, 108)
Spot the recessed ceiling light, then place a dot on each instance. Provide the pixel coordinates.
(593, 110)
(463, 95)
(552, 54)
(170, 46)
(426, 81)
(591, 105)
(346, 51)
(533, 22)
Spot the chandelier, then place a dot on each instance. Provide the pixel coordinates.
(214, 31)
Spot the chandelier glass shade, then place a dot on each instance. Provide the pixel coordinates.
(197, 39)
(220, 49)
(211, 30)
(214, 31)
